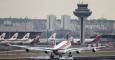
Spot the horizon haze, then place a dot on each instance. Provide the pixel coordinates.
(42, 8)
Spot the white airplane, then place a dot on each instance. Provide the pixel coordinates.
(97, 38)
(24, 41)
(59, 49)
(2, 36)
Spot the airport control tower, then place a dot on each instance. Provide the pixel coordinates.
(82, 12)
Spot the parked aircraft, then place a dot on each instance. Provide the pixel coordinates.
(58, 49)
(14, 37)
(2, 36)
(24, 40)
(97, 38)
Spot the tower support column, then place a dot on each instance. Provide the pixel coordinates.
(82, 36)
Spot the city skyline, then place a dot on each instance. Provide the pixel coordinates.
(42, 8)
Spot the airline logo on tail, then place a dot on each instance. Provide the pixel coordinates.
(2, 36)
(97, 38)
(35, 40)
(26, 36)
(14, 36)
(52, 38)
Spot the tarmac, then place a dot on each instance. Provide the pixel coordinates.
(36, 55)
(74, 58)
(23, 56)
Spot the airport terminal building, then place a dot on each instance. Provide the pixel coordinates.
(93, 26)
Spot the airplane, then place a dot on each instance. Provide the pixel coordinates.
(2, 36)
(14, 38)
(24, 40)
(97, 38)
(58, 49)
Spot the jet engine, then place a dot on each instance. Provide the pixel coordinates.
(46, 52)
(27, 50)
(94, 50)
(78, 52)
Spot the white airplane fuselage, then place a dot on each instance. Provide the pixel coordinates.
(85, 40)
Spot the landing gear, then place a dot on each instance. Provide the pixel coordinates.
(60, 55)
(27, 50)
(93, 50)
(52, 56)
(70, 55)
(78, 52)
(46, 52)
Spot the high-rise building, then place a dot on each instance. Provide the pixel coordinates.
(66, 22)
(8, 26)
(92, 27)
(51, 22)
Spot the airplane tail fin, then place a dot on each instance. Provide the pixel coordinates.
(52, 38)
(36, 40)
(2, 36)
(97, 38)
(14, 36)
(26, 36)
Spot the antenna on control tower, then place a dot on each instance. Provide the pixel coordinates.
(81, 1)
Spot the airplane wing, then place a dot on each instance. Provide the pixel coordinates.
(43, 49)
(79, 49)
(33, 48)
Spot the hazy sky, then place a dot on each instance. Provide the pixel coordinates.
(42, 8)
